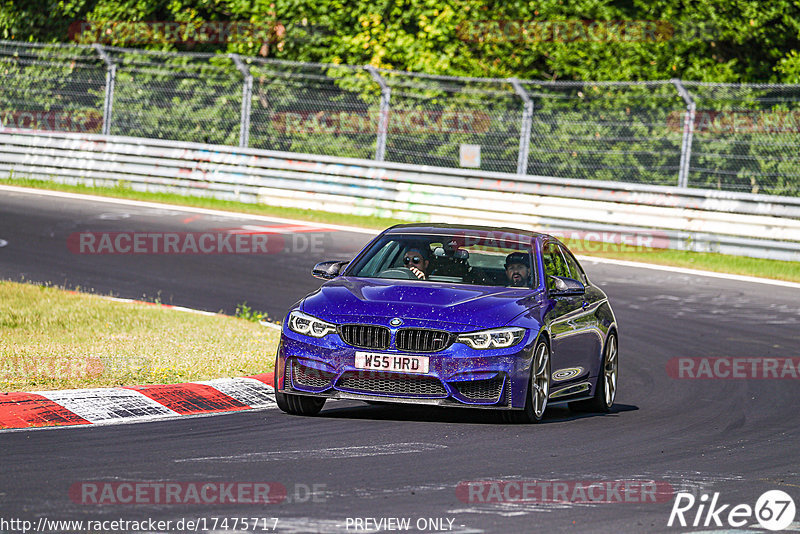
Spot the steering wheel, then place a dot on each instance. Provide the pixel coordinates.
(401, 273)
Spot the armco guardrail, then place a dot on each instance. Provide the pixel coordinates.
(703, 220)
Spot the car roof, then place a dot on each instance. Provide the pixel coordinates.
(479, 231)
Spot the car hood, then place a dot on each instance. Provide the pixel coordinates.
(417, 303)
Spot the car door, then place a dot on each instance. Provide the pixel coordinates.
(587, 323)
(571, 343)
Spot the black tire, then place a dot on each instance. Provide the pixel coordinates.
(606, 389)
(535, 406)
(299, 404)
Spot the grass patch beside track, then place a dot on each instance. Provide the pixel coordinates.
(57, 339)
(778, 270)
(704, 261)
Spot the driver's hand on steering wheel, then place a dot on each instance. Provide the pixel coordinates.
(417, 272)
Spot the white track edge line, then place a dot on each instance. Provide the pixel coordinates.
(188, 209)
(355, 229)
(694, 272)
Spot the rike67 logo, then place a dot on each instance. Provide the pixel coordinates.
(774, 510)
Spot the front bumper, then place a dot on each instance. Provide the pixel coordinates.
(458, 376)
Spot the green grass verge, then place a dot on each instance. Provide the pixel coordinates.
(779, 270)
(56, 339)
(704, 261)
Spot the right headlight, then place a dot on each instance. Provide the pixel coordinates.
(305, 324)
(495, 338)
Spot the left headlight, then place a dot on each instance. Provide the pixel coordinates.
(496, 338)
(305, 324)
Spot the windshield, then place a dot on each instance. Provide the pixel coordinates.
(456, 259)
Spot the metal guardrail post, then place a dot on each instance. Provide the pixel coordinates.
(525, 128)
(247, 97)
(111, 79)
(688, 133)
(383, 121)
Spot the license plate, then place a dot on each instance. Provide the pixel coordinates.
(402, 363)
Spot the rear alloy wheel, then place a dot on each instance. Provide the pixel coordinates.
(299, 404)
(606, 390)
(538, 388)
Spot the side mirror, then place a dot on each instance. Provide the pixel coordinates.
(566, 286)
(328, 270)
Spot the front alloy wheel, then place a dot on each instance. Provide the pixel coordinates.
(538, 388)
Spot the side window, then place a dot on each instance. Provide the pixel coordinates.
(554, 264)
(561, 265)
(575, 270)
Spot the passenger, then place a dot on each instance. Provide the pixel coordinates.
(518, 269)
(417, 261)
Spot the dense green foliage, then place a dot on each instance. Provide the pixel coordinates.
(706, 40)
(588, 130)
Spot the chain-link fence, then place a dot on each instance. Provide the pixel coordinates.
(606, 131)
(717, 136)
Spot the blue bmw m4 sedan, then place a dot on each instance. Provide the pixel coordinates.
(448, 315)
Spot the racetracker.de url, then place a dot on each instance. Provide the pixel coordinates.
(198, 524)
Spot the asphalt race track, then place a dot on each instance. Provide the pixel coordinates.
(736, 437)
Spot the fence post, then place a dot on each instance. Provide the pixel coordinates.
(247, 97)
(111, 80)
(383, 121)
(525, 128)
(688, 133)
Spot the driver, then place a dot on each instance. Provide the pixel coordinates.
(417, 261)
(518, 269)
